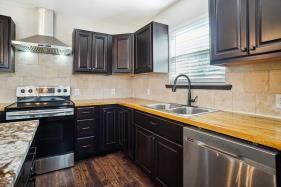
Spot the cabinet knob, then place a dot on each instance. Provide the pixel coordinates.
(244, 49)
(253, 48)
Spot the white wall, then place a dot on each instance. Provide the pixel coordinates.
(26, 23)
(182, 12)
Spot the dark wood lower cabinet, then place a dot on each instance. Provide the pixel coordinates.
(109, 134)
(157, 151)
(86, 133)
(144, 155)
(169, 162)
(1, 117)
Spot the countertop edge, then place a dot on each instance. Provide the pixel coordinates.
(186, 120)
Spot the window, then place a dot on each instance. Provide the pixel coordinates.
(190, 53)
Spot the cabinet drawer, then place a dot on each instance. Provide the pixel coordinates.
(85, 112)
(86, 145)
(85, 127)
(146, 121)
(168, 129)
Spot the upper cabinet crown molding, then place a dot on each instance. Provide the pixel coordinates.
(152, 49)
(7, 51)
(244, 30)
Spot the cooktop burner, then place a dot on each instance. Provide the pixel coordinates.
(39, 105)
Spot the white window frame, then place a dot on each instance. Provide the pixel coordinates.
(171, 51)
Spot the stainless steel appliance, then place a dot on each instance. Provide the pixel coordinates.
(55, 135)
(213, 160)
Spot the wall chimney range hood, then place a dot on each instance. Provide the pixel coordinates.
(44, 41)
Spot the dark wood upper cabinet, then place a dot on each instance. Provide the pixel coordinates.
(265, 26)
(100, 50)
(92, 52)
(7, 52)
(82, 45)
(228, 21)
(244, 30)
(152, 49)
(123, 53)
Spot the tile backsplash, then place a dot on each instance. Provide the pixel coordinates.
(254, 85)
(44, 69)
(254, 90)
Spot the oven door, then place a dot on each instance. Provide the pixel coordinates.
(55, 144)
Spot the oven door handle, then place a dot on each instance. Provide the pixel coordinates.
(39, 113)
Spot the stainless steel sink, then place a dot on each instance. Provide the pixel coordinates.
(163, 106)
(180, 109)
(190, 110)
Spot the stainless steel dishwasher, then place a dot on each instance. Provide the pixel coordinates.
(213, 160)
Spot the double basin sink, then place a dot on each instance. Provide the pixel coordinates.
(178, 109)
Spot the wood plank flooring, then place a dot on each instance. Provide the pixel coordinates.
(109, 170)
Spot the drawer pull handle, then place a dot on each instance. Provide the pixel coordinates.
(86, 146)
(153, 123)
(86, 112)
(85, 128)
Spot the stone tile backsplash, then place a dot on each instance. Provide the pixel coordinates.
(254, 85)
(44, 69)
(254, 89)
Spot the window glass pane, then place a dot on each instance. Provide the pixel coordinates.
(190, 53)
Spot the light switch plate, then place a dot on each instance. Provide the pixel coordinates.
(148, 92)
(113, 91)
(76, 92)
(278, 101)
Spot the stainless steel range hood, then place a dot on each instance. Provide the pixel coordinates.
(44, 41)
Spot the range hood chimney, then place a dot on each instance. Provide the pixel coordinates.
(44, 41)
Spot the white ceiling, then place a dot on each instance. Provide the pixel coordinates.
(107, 11)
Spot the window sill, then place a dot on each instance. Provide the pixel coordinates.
(204, 86)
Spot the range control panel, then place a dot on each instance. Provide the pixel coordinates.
(36, 91)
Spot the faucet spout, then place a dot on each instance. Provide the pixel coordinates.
(174, 88)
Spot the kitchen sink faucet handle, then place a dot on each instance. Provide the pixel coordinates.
(194, 100)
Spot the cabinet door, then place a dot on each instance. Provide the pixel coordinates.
(265, 26)
(123, 53)
(126, 131)
(169, 162)
(100, 53)
(228, 24)
(123, 120)
(82, 51)
(110, 129)
(4, 38)
(143, 50)
(144, 152)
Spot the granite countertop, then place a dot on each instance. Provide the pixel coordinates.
(259, 130)
(15, 140)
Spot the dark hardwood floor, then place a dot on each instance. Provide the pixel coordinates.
(109, 170)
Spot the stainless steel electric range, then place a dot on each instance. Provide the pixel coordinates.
(54, 138)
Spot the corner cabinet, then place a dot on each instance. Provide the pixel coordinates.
(123, 53)
(91, 52)
(244, 30)
(7, 51)
(152, 49)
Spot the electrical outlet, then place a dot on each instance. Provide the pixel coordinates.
(278, 101)
(113, 91)
(76, 92)
(147, 91)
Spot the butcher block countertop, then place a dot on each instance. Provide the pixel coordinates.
(15, 141)
(2, 106)
(259, 130)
